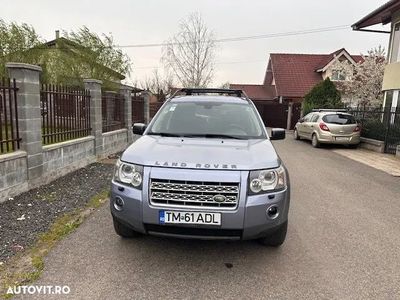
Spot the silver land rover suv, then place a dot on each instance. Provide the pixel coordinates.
(203, 168)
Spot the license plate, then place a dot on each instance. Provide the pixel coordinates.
(342, 138)
(184, 217)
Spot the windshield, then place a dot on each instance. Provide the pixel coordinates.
(208, 119)
(340, 119)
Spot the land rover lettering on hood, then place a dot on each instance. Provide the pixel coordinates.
(203, 168)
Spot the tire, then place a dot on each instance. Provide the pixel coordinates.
(277, 238)
(123, 230)
(314, 141)
(296, 135)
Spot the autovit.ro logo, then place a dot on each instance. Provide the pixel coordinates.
(39, 289)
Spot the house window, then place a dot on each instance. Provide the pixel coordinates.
(338, 75)
(395, 53)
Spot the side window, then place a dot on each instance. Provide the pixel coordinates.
(314, 118)
(308, 117)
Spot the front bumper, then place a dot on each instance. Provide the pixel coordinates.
(248, 221)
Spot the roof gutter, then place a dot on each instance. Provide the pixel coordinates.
(382, 15)
(370, 30)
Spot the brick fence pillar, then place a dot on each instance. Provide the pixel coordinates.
(29, 116)
(126, 91)
(96, 121)
(146, 97)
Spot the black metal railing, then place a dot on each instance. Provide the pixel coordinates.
(380, 124)
(9, 131)
(65, 113)
(112, 111)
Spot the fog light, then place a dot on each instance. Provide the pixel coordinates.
(272, 212)
(118, 203)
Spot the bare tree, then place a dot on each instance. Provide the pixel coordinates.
(158, 84)
(190, 54)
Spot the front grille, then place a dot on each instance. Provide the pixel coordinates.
(178, 193)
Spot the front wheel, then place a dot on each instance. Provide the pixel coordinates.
(314, 141)
(276, 238)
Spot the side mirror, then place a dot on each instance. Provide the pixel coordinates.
(301, 120)
(138, 128)
(278, 134)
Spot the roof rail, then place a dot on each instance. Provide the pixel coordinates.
(330, 110)
(191, 91)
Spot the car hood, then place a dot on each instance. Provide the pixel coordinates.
(202, 153)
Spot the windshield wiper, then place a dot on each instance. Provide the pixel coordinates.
(165, 134)
(214, 136)
(205, 135)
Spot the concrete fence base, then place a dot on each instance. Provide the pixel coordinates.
(58, 160)
(373, 145)
(114, 141)
(62, 158)
(13, 174)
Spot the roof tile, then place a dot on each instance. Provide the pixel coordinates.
(256, 91)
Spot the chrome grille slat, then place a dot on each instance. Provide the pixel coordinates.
(194, 187)
(196, 194)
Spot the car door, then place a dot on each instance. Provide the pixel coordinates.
(302, 126)
(306, 128)
(313, 125)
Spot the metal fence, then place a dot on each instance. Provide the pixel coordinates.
(9, 131)
(112, 111)
(65, 113)
(137, 109)
(382, 125)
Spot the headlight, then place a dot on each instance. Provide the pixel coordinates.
(128, 174)
(267, 180)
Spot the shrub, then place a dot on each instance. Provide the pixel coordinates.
(373, 129)
(323, 95)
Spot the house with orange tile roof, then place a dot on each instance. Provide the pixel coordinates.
(288, 78)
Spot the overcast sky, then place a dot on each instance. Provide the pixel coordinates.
(151, 21)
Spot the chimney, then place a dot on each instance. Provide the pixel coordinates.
(57, 34)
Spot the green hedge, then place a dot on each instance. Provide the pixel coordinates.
(375, 129)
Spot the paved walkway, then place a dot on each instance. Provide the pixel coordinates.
(384, 162)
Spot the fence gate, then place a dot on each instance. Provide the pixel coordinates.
(273, 114)
(296, 113)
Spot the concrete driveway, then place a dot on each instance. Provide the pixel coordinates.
(343, 243)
